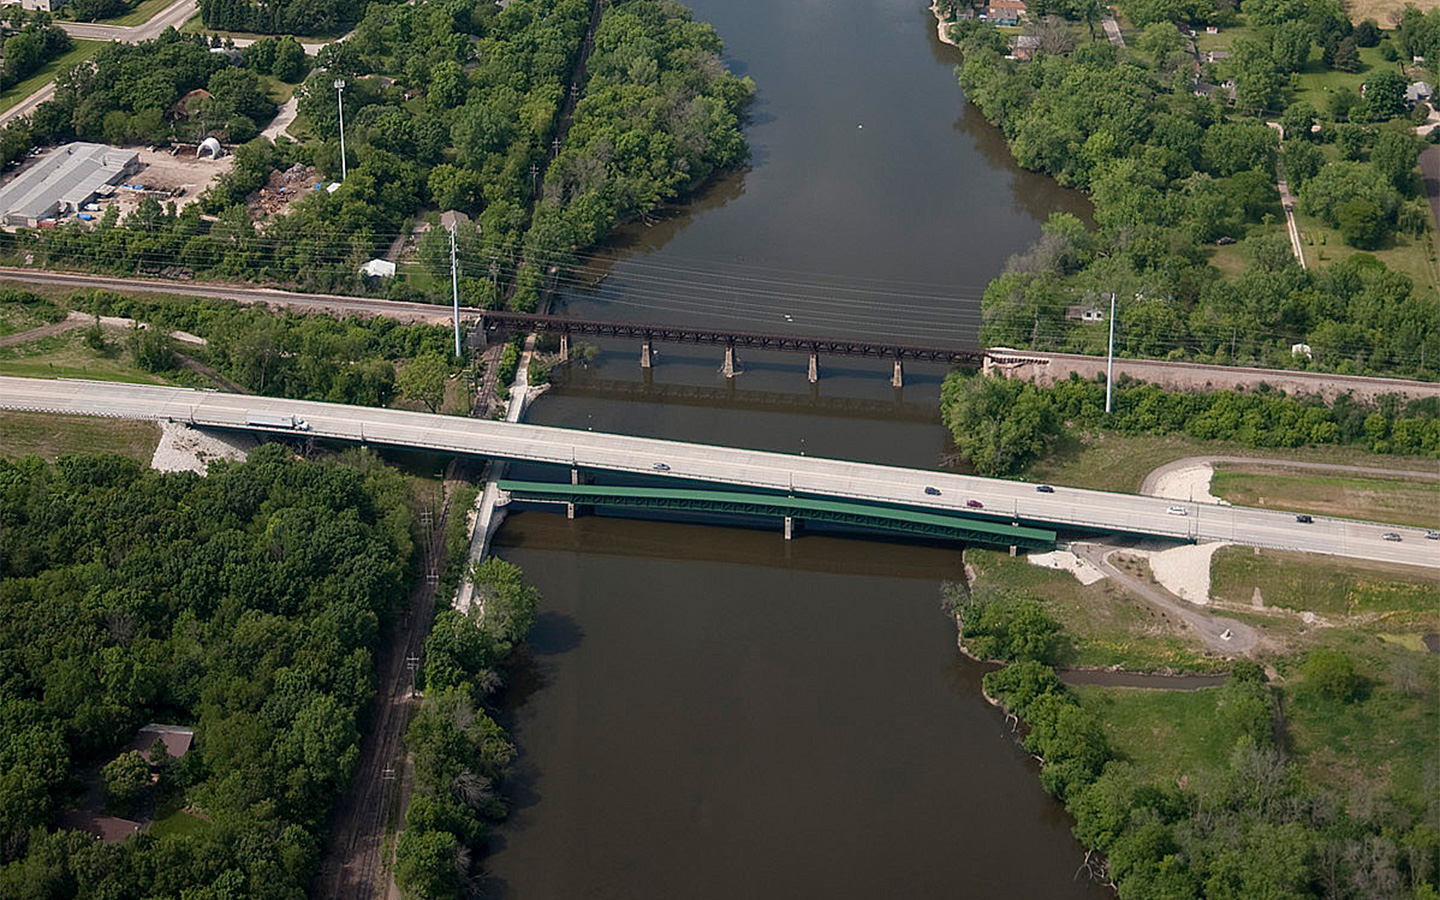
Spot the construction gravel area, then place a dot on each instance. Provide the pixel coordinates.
(186, 449)
(1084, 571)
(1185, 482)
(178, 178)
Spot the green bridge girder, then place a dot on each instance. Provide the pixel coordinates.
(901, 520)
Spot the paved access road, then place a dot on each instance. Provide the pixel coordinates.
(742, 468)
(172, 16)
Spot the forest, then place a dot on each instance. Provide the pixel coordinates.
(659, 114)
(1002, 425)
(460, 753)
(1255, 828)
(1175, 168)
(304, 17)
(247, 603)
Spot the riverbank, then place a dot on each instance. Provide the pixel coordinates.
(942, 26)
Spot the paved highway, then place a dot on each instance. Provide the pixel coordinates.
(743, 468)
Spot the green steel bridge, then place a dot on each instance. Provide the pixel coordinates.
(789, 509)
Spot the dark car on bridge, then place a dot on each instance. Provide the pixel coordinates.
(974, 504)
(932, 491)
(1044, 489)
(1304, 519)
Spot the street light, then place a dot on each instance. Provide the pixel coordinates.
(340, 102)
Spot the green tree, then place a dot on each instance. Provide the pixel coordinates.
(1393, 156)
(1362, 223)
(152, 348)
(1385, 95)
(999, 425)
(126, 777)
(423, 378)
(290, 64)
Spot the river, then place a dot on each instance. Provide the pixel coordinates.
(710, 712)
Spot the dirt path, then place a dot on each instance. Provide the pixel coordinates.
(354, 866)
(70, 322)
(1211, 630)
(1287, 203)
(1151, 480)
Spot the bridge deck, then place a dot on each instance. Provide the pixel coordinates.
(885, 518)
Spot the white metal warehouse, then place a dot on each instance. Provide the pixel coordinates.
(63, 181)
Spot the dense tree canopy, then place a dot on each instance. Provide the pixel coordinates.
(247, 603)
(1172, 169)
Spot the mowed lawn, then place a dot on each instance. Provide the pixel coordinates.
(1168, 735)
(49, 436)
(1402, 597)
(1397, 500)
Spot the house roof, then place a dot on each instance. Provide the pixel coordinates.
(177, 740)
(70, 174)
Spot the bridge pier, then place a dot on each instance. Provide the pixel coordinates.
(646, 354)
(731, 367)
(814, 367)
(564, 346)
(790, 524)
(897, 380)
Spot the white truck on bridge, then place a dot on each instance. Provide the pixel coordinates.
(268, 420)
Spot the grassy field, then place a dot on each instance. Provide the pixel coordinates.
(65, 356)
(1396, 598)
(1354, 496)
(1168, 735)
(17, 317)
(1379, 742)
(1120, 462)
(1414, 256)
(1106, 625)
(48, 436)
(45, 74)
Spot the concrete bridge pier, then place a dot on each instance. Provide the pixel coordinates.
(814, 367)
(790, 526)
(646, 354)
(564, 346)
(731, 367)
(897, 380)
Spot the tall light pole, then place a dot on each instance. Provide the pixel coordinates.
(1110, 364)
(455, 287)
(340, 102)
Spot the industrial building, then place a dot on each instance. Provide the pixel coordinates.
(63, 181)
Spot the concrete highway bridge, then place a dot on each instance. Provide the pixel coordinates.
(856, 486)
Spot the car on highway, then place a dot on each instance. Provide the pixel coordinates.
(1390, 536)
(1303, 519)
(974, 504)
(1044, 489)
(1432, 535)
(660, 467)
(1177, 511)
(932, 491)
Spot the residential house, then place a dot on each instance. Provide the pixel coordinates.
(1005, 12)
(1418, 92)
(1024, 46)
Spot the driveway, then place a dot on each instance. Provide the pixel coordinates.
(1211, 630)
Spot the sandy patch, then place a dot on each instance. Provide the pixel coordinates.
(186, 449)
(1065, 561)
(1183, 571)
(1187, 483)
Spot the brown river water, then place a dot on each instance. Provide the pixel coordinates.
(708, 711)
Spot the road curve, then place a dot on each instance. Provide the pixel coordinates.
(1002, 500)
(1148, 487)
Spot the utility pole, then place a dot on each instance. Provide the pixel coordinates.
(340, 103)
(1110, 364)
(455, 289)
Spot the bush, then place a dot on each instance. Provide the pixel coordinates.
(1331, 674)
